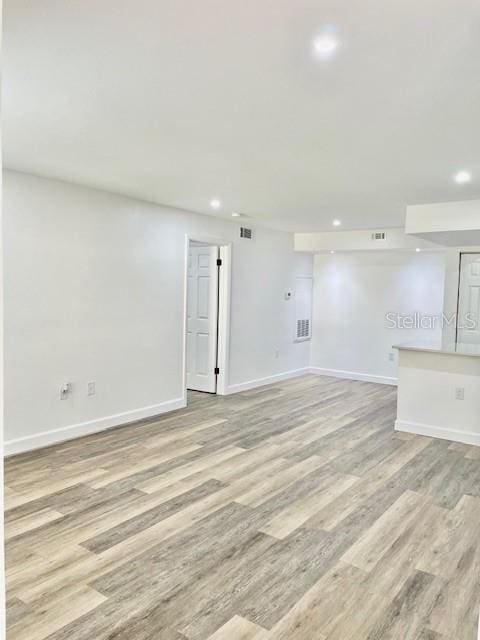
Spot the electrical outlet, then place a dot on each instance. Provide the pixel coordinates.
(91, 388)
(391, 357)
(460, 393)
(65, 390)
(277, 353)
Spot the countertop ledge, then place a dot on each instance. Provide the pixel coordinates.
(460, 349)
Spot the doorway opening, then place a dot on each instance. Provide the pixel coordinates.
(468, 301)
(207, 315)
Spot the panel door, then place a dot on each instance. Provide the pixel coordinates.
(202, 313)
(469, 299)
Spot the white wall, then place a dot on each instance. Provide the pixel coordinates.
(427, 402)
(94, 291)
(353, 292)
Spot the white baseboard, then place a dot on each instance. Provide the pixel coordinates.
(260, 382)
(467, 437)
(46, 438)
(353, 375)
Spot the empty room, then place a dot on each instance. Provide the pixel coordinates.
(241, 320)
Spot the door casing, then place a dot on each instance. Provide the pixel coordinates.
(467, 260)
(224, 290)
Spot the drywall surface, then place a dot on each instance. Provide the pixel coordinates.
(353, 293)
(428, 401)
(94, 291)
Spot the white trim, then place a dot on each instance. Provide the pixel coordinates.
(260, 382)
(225, 291)
(467, 437)
(2, 481)
(46, 438)
(353, 375)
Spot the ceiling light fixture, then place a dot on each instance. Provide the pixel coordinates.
(417, 250)
(325, 44)
(215, 203)
(332, 251)
(462, 177)
(236, 215)
(336, 222)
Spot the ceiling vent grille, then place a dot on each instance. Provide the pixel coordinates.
(379, 236)
(303, 328)
(246, 233)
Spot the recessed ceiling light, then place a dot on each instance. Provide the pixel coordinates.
(336, 222)
(236, 215)
(332, 251)
(417, 250)
(325, 44)
(215, 203)
(463, 177)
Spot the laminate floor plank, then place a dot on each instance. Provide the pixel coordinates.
(366, 552)
(16, 611)
(293, 511)
(146, 519)
(30, 522)
(40, 624)
(407, 614)
(237, 628)
(330, 516)
(297, 513)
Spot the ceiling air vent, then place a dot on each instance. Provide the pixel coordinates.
(303, 328)
(379, 236)
(246, 233)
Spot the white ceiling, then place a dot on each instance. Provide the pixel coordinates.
(181, 101)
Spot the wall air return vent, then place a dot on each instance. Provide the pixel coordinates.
(246, 233)
(379, 236)
(303, 308)
(303, 329)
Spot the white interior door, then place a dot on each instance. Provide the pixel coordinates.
(469, 299)
(202, 313)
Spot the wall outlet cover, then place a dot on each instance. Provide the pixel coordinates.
(65, 390)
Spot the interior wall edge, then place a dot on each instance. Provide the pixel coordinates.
(354, 375)
(261, 382)
(70, 432)
(433, 431)
(55, 436)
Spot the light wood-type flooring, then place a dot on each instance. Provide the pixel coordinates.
(289, 512)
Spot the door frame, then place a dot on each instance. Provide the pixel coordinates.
(224, 299)
(459, 276)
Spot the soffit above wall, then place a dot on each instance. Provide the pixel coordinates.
(362, 240)
(451, 224)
